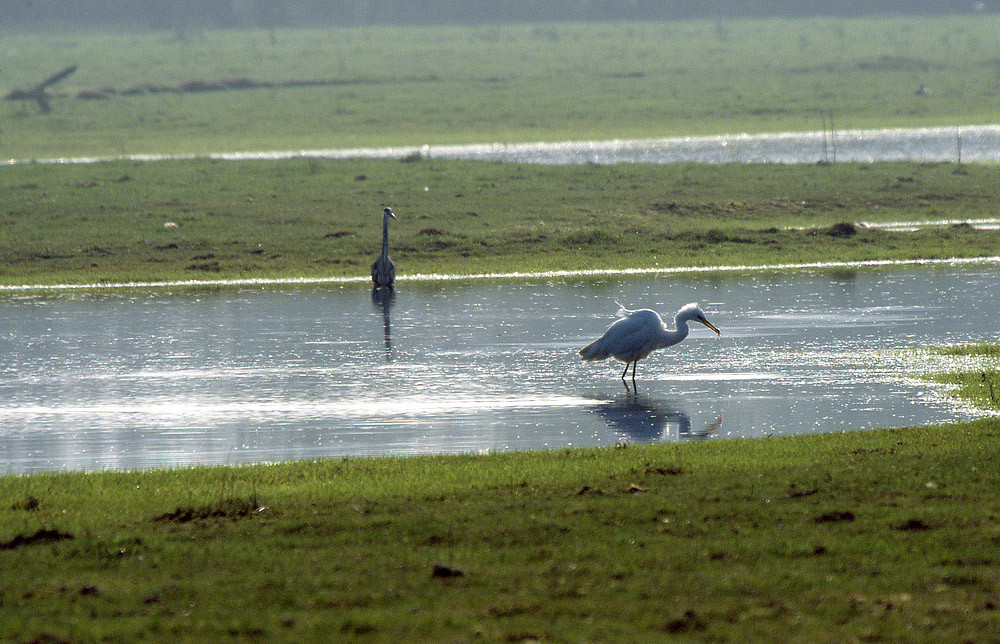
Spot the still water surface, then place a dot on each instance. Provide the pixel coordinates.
(123, 380)
(935, 144)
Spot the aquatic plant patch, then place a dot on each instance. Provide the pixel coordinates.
(980, 385)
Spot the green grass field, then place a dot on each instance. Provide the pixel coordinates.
(864, 536)
(433, 85)
(320, 218)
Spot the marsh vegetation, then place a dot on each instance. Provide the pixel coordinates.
(978, 378)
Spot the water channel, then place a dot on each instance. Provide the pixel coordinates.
(934, 144)
(126, 379)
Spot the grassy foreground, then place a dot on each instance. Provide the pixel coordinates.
(864, 536)
(122, 221)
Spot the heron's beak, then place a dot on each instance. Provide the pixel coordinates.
(710, 325)
(393, 216)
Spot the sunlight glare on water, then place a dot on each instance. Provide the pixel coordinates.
(122, 380)
(934, 144)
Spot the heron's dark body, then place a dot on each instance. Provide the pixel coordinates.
(383, 270)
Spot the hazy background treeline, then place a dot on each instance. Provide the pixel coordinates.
(181, 14)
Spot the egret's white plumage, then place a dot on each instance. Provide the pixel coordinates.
(636, 334)
(383, 270)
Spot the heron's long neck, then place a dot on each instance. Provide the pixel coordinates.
(385, 236)
(669, 337)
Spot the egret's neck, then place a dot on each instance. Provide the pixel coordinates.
(385, 236)
(673, 337)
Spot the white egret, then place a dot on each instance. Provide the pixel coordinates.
(636, 334)
(383, 270)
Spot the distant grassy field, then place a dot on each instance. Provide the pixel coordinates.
(432, 85)
(312, 218)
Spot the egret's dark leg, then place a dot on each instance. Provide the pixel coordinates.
(625, 372)
(633, 371)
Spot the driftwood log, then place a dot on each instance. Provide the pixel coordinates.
(38, 93)
(228, 84)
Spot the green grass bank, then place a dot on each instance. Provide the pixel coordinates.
(861, 536)
(182, 220)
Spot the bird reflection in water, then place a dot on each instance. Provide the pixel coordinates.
(383, 299)
(644, 419)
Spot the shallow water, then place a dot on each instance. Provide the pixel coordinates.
(124, 380)
(951, 144)
(968, 143)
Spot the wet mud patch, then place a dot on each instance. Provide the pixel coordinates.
(29, 504)
(688, 622)
(914, 525)
(42, 535)
(842, 229)
(835, 517)
(225, 509)
(208, 267)
(441, 571)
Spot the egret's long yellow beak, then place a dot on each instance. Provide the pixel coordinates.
(711, 326)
